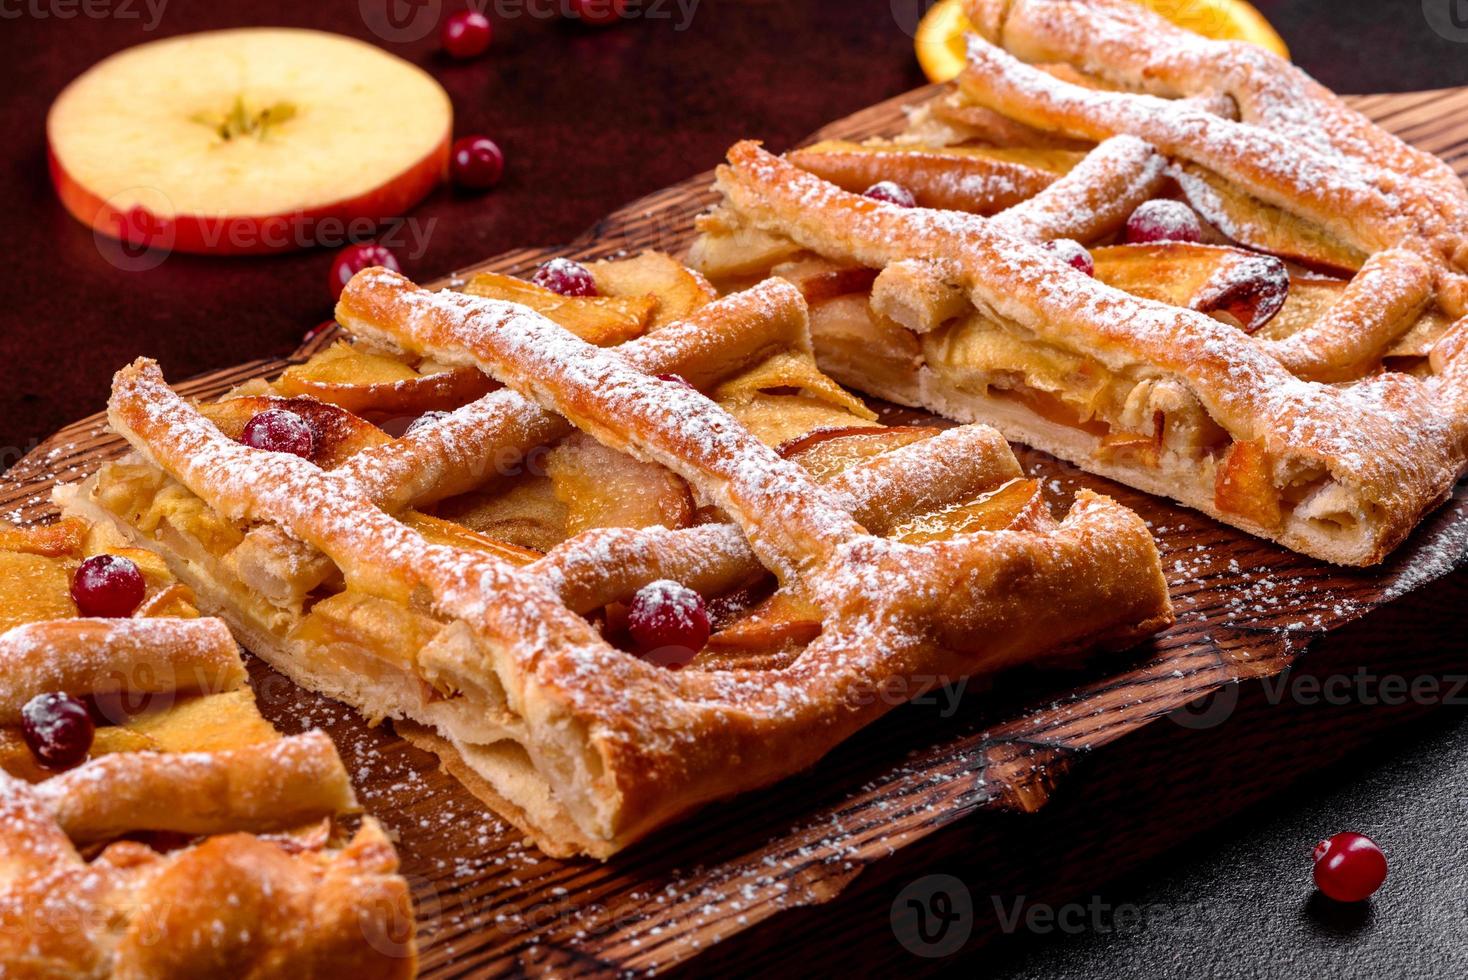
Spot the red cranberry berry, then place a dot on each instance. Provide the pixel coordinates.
(891, 192)
(566, 277)
(1163, 221)
(1073, 254)
(108, 586)
(426, 419)
(467, 34)
(353, 259)
(668, 623)
(477, 163)
(58, 729)
(1349, 867)
(676, 379)
(278, 431)
(598, 13)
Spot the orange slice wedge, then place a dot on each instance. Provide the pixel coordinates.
(941, 48)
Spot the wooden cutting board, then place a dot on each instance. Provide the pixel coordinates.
(879, 806)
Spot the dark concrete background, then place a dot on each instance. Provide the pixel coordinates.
(590, 120)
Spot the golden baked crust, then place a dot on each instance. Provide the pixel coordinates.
(586, 746)
(194, 840)
(1332, 431)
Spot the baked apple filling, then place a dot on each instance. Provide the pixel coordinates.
(884, 331)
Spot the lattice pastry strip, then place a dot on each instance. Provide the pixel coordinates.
(618, 744)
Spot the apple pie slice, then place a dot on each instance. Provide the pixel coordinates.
(637, 578)
(1244, 295)
(154, 824)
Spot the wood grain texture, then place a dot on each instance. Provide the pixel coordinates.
(725, 882)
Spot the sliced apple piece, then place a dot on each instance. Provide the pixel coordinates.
(828, 453)
(1244, 485)
(1249, 288)
(33, 588)
(730, 252)
(523, 511)
(783, 621)
(339, 434)
(1003, 508)
(64, 537)
(204, 723)
(439, 531)
(364, 383)
(1249, 221)
(676, 289)
(983, 180)
(247, 141)
(601, 320)
(602, 487)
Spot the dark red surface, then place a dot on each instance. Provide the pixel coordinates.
(589, 118)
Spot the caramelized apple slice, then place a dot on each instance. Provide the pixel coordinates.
(602, 487)
(677, 289)
(1244, 485)
(204, 723)
(439, 531)
(1248, 287)
(994, 511)
(34, 588)
(730, 252)
(523, 511)
(783, 621)
(64, 537)
(365, 632)
(1249, 221)
(827, 453)
(601, 320)
(983, 180)
(363, 382)
(338, 433)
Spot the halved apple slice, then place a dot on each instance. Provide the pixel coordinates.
(363, 382)
(827, 453)
(602, 487)
(983, 180)
(1248, 287)
(993, 511)
(247, 141)
(676, 289)
(64, 537)
(600, 320)
(1244, 485)
(1249, 221)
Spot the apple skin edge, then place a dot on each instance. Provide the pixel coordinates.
(251, 235)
